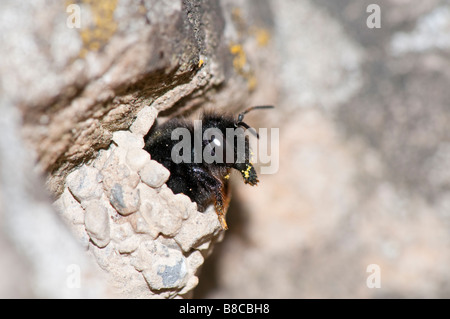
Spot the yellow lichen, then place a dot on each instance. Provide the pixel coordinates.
(236, 15)
(241, 66)
(96, 35)
(262, 36)
(240, 58)
(252, 82)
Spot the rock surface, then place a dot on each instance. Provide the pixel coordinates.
(96, 83)
(363, 177)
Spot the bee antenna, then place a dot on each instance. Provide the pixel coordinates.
(241, 115)
(248, 128)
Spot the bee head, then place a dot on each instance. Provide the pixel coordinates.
(230, 151)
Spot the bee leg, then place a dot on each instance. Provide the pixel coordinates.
(221, 208)
(248, 173)
(221, 204)
(226, 195)
(216, 189)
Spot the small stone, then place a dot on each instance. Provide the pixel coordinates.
(195, 260)
(147, 193)
(165, 193)
(101, 159)
(140, 226)
(144, 121)
(165, 221)
(163, 267)
(121, 231)
(124, 199)
(198, 229)
(191, 284)
(127, 140)
(172, 275)
(114, 169)
(105, 257)
(69, 208)
(137, 158)
(154, 174)
(110, 158)
(119, 174)
(204, 246)
(128, 245)
(133, 180)
(96, 221)
(84, 184)
(183, 204)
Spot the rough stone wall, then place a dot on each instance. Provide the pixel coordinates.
(363, 177)
(137, 230)
(87, 96)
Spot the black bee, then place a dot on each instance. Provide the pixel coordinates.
(203, 180)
